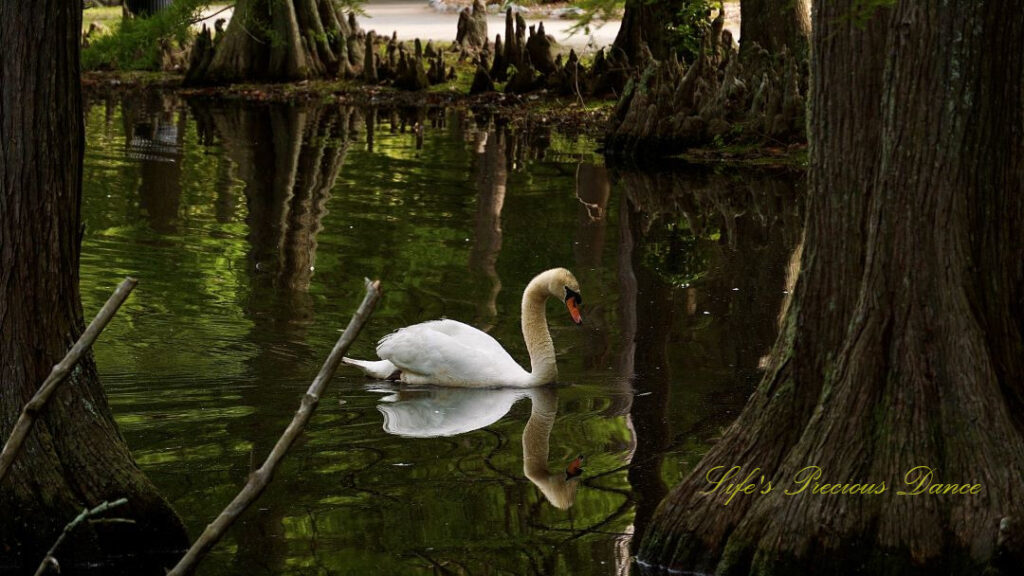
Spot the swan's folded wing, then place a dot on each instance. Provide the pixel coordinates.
(449, 352)
(469, 336)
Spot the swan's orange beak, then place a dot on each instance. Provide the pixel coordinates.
(575, 468)
(574, 310)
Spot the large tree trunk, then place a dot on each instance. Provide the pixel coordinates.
(281, 40)
(903, 344)
(774, 25)
(645, 22)
(718, 97)
(74, 456)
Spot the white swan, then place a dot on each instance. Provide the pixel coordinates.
(450, 353)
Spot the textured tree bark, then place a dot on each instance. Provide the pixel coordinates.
(720, 97)
(287, 184)
(774, 24)
(281, 40)
(903, 343)
(645, 22)
(75, 456)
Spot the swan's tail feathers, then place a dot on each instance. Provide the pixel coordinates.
(380, 369)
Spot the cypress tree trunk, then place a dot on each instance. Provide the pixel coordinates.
(904, 343)
(719, 97)
(281, 40)
(774, 24)
(645, 22)
(74, 457)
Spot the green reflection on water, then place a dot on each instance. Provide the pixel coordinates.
(251, 227)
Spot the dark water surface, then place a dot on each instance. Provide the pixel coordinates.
(251, 228)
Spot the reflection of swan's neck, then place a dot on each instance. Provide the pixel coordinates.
(535, 331)
(536, 436)
(558, 489)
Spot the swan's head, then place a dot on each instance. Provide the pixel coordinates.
(563, 285)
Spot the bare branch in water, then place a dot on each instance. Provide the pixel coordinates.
(50, 561)
(59, 373)
(260, 479)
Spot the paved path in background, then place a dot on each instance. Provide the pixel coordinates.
(414, 19)
(418, 19)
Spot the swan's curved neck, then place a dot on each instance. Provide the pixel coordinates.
(535, 331)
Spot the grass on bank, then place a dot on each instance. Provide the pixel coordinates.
(107, 16)
(137, 43)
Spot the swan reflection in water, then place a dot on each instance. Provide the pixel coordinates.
(434, 412)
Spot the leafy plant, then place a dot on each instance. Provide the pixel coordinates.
(690, 25)
(137, 43)
(600, 10)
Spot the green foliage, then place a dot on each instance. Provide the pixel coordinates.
(692, 22)
(687, 28)
(600, 10)
(678, 255)
(351, 6)
(135, 44)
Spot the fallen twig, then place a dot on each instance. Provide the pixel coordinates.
(59, 372)
(50, 560)
(260, 479)
(200, 18)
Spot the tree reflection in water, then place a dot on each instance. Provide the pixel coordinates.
(683, 275)
(490, 176)
(723, 234)
(155, 143)
(288, 159)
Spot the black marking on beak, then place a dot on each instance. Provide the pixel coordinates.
(571, 294)
(573, 300)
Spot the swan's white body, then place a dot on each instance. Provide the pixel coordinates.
(450, 353)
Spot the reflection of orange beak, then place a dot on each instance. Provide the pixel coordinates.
(574, 310)
(575, 468)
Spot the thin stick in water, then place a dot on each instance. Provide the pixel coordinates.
(59, 373)
(260, 479)
(50, 560)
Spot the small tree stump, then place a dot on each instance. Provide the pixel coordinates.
(471, 32)
(369, 63)
(482, 81)
(540, 48)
